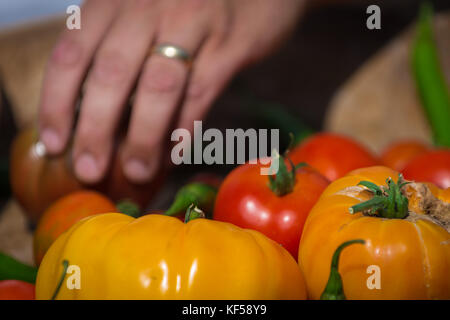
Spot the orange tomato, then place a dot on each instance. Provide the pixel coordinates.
(397, 155)
(61, 215)
(406, 254)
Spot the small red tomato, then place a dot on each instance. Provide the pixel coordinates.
(397, 155)
(248, 199)
(432, 166)
(16, 290)
(332, 155)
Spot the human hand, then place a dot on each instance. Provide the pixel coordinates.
(112, 51)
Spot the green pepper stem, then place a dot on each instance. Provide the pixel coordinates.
(193, 213)
(390, 203)
(334, 290)
(65, 264)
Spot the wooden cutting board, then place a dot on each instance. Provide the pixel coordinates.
(379, 103)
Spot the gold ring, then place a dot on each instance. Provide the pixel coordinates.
(171, 51)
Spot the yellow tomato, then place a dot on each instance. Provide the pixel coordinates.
(402, 258)
(160, 257)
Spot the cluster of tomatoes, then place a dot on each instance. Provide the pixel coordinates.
(303, 208)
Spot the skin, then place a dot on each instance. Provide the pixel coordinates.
(111, 50)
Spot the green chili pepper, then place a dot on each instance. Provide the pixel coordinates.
(11, 269)
(198, 194)
(430, 81)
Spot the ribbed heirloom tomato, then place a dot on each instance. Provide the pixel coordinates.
(160, 257)
(405, 227)
(277, 207)
(333, 155)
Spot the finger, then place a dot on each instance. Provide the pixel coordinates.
(214, 68)
(114, 72)
(159, 91)
(65, 71)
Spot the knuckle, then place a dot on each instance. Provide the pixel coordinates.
(110, 69)
(93, 129)
(68, 52)
(141, 143)
(163, 77)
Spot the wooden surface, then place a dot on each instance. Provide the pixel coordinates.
(379, 104)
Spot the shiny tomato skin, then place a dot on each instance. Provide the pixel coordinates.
(16, 290)
(333, 155)
(245, 199)
(398, 154)
(432, 166)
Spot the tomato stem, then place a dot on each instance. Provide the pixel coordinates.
(284, 180)
(388, 203)
(199, 194)
(334, 290)
(193, 213)
(65, 264)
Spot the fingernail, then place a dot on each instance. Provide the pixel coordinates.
(87, 169)
(51, 140)
(137, 170)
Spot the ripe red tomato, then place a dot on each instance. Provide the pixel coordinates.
(16, 290)
(432, 166)
(332, 155)
(246, 200)
(397, 155)
(38, 180)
